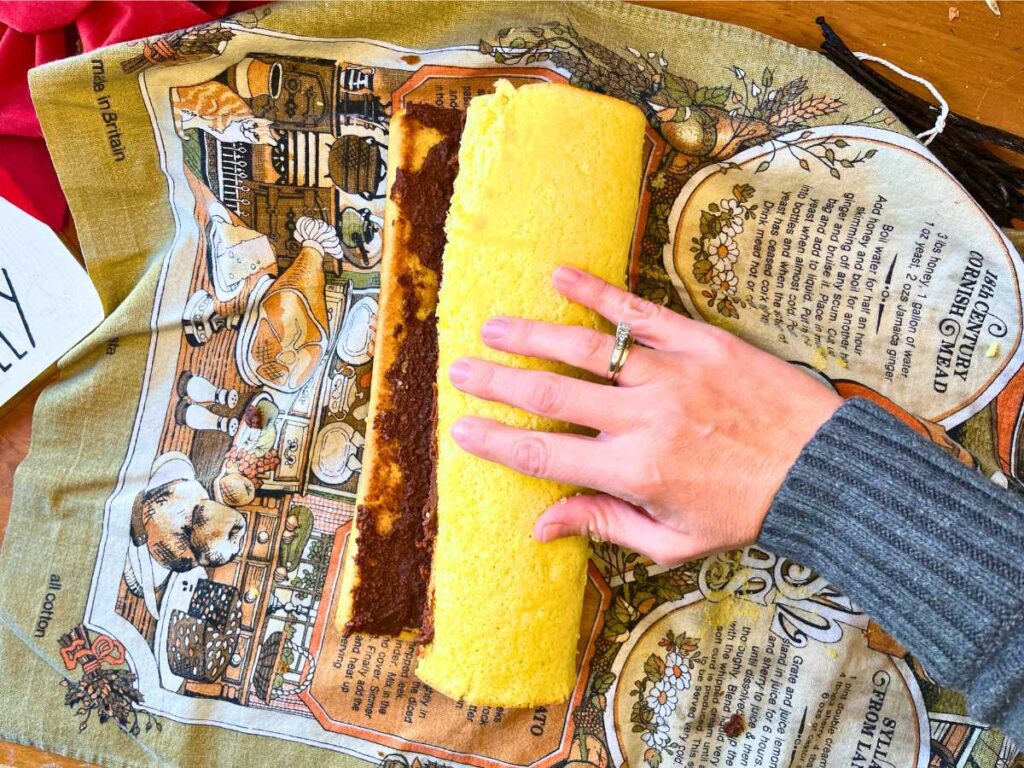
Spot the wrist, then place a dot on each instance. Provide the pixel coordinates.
(807, 421)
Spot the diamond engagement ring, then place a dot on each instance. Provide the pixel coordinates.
(620, 352)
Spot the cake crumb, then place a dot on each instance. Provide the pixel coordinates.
(820, 359)
(992, 350)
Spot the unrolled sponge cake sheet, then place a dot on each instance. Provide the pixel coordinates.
(549, 175)
(387, 563)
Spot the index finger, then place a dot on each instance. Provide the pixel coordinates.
(650, 324)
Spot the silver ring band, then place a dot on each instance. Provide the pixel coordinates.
(620, 352)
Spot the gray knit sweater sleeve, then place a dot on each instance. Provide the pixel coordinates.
(933, 551)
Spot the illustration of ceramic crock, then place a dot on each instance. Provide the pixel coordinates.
(253, 78)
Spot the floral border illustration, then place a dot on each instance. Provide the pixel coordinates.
(716, 252)
(658, 692)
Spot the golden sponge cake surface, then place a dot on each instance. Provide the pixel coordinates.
(549, 175)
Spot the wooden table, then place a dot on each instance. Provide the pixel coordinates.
(976, 60)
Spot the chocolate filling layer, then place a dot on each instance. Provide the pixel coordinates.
(394, 567)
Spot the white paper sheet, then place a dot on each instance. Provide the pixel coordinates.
(47, 301)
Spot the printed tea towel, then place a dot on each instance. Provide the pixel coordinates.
(169, 575)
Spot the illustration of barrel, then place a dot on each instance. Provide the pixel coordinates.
(356, 165)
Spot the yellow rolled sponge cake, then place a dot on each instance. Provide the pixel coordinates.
(548, 175)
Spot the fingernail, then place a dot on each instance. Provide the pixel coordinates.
(459, 372)
(540, 532)
(494, 329)
(567, 275)
(549, 532)
(460, 431)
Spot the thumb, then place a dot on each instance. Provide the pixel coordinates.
(607, 518)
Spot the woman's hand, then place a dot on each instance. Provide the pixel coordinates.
(693, 443)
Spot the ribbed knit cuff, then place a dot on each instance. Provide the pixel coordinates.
(933, 551)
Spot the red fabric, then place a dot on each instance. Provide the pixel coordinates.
(33, 33)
